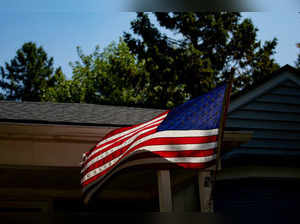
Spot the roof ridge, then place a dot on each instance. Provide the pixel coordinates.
(240, 98)
(286, 67)
(81, 104)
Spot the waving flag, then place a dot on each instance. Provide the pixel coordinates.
(185, 136)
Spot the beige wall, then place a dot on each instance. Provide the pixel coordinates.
(46, 145)
(41, 162)
(62, 145)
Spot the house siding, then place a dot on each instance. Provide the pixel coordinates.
(273, 115)
(260, 199)
(274, 118)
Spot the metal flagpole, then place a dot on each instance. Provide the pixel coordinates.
(207, 178)
(223, 119)
(221, 130)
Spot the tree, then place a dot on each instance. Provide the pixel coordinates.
(64, 91)
(121, 79)
(297, 63)
(207, 47)
(111, 76)
(27, 74)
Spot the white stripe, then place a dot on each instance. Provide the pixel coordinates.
(158, 160)
(149, 160)
(141, 162)
(108, 152)
(172, 160)
(174, 134)
(160, 134)
(186, 133)
(133, 129)
(99, 169)
(130, 134)
(169, 148)
(182, 147)
(181, 133)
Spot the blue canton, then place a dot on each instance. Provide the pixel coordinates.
(201, 113)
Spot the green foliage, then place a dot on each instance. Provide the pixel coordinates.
(208, 48)
(64, 91)
(27, 74)
(148, 68)
(111, 76)
(297, 63)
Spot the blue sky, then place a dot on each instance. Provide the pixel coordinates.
(60, 26)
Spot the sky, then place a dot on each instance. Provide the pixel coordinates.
(60, 26)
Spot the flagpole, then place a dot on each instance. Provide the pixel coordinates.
(207, 178)
(225, 106)
(226, 102)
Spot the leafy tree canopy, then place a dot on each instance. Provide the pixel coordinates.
(65, 91)
(297, 63)
(207, 48)
(148, 67)
(112, 76)
(27, 74)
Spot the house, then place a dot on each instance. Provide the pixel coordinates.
(41, 145)
(263, 174)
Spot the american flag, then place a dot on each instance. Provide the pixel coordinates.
(185, 136)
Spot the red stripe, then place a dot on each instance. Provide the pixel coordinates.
(119, 142)
(120, 130)
(127, 135)
(114, 154)
(155, 141)
(156, 166)
(114, 132)
(92, 179)
(196, 165)
(183, 165)
(174, 154)
(130, 133)
(187, 153)
(180, 140)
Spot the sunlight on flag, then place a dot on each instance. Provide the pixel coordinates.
(185, 136)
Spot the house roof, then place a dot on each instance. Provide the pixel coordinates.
(285, 68)
(74, 113)
(284, 73)
(105, 115)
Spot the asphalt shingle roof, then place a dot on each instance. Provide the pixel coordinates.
(88, 114)
(74, 113)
